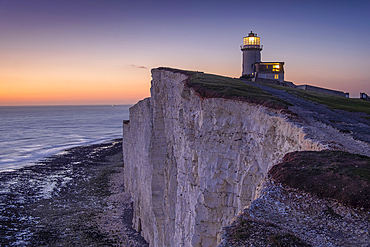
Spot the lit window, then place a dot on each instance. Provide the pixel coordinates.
(276, 67)
(251, 40)
(276, 76)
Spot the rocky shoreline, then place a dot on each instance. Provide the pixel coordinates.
(284, 216)
(75, 198)
(309, 199)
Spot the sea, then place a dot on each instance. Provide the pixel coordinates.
(29, 134)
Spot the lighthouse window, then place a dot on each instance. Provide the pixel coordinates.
(276, 67)
(276, 76)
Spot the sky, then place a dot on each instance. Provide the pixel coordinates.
(102, 51)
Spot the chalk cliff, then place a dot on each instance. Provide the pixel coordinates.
(192, 163)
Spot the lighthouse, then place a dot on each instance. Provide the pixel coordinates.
(253, 68)
(251, 49)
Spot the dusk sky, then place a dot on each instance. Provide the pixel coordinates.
(101, 52)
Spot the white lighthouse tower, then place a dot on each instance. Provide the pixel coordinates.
(251, 49)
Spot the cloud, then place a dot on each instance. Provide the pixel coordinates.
(138, 66)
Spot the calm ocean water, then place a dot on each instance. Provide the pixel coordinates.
(30, 133)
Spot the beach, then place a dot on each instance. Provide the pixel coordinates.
(74, 198)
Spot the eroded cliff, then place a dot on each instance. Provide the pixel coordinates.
(193, 162)
(309, 199)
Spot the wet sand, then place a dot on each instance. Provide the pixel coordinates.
(75, 198)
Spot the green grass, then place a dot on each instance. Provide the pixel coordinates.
(331, 101)
(214, 86)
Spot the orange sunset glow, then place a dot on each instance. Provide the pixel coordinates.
(98, 52)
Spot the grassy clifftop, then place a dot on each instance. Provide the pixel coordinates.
(331, 101)
(215, 86)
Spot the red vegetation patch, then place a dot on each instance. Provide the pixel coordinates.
(328, 174)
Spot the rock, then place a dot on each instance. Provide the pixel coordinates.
(316, 222)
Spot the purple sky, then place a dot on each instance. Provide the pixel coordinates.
(89, 47)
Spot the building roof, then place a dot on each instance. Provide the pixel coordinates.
(270, 62)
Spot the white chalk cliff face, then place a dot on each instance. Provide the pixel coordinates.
(192, 164)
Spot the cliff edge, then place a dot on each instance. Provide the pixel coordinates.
(198, 150)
